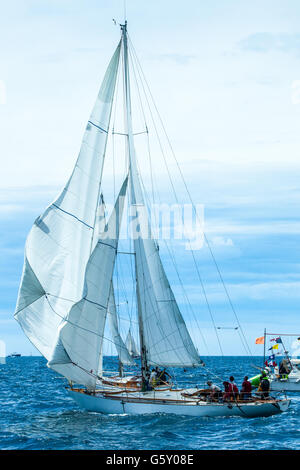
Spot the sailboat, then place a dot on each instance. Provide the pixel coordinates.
(67, 291)
(287, 379)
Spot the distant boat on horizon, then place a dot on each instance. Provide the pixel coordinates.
(14, 354)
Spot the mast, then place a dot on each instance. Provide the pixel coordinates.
(131, 153)
(144, 362)
(265, 334)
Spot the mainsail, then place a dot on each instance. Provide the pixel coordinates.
(60, 242)
(163, 331)
(122, 349)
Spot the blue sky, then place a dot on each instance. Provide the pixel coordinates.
(225, 75)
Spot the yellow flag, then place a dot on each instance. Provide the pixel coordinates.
(275, 346)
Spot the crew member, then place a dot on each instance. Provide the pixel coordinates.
(246, 389)
(215, 391)
(234, 391)
(264, 387)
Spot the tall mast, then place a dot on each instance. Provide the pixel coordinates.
(131, 157)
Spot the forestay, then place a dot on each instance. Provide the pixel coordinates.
(59, 244)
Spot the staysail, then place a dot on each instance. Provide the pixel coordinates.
(122, 350)
(78, 351)
(131, 346)
(165, 336)
(59, 244)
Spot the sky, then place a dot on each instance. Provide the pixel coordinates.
(226, 79)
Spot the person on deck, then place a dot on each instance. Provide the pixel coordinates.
(226, 394)
(284, 369)
(233, 390)
(164, 377)
(153, 378)
(215, 391)
(246, 389)
(264, 387)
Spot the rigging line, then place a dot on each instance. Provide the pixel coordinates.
(81, 327)
(146, 126)
(72, 215)
(122, 286)
(171, 253)
(172, 256)
(243, 338)
(176, 198)
(185, 293)
(173, 259)
(98, 127)
(282, 334)
(158, 325)
(124, 7)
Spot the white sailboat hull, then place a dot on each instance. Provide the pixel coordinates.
(288, 385)
(122, 405)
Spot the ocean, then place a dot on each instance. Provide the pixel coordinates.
(37, 413)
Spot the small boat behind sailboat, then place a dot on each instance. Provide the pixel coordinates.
(284, 377)
(288, 382)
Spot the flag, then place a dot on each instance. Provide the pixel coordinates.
(272, 357)
(275, 346)
(278, 340)
(273, 339)
(260, 340)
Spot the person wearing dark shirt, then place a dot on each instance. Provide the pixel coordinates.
(246, 389)
(264, 387)
(284, 369)
(164, 377)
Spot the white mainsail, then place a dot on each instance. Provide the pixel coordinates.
(59, 244)
(78, 351)
(131, 346)
(166, 339)
(122, 350)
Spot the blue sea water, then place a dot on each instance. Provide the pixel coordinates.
(37, 413)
